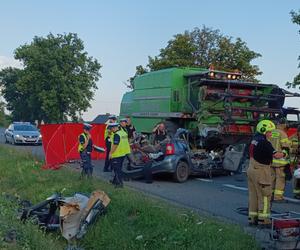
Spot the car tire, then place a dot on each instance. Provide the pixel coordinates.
(181, 173)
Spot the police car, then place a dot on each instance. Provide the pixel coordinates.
(22, 133)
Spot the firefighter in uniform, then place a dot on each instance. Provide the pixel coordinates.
(119, 149)
(107, 136)
(280, 143)
(295, 154)
(259, 174)
(85, 147)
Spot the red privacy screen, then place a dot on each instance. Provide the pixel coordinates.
(60, 142)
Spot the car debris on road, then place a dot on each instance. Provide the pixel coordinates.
(72, 215)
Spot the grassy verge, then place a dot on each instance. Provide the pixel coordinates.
(133, 221)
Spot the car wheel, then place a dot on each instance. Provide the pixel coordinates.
(182, 172)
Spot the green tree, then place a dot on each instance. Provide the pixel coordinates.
(180, 51)
(202, 48)
(57, 82)
(3, 117)
(17, 101)
(296, 81)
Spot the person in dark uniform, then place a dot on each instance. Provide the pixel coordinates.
(119, 149)
(259, 174)
(130, 129)
(85, 148)
(107, 136)
(159, 132)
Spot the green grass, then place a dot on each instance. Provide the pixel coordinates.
(130, 214)
(4, 119)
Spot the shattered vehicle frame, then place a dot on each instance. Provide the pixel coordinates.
(72, 215)
(178, 158)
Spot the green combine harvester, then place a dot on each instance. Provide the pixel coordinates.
(219, 108)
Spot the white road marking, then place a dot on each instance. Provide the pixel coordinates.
(235, 187)
(291, 199)
(246, 189)
(205, 180)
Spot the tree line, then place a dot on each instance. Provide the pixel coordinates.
(58, 79)
(202, 48)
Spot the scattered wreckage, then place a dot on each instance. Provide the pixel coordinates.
(71, 215)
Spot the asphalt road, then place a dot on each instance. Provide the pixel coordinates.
(219, 197)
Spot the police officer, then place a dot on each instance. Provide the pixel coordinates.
(85, 148)
(107, 136)
(119, 149)
(259, 174)
(280, 143)
(123, 125)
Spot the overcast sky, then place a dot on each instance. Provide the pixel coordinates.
(122, 34)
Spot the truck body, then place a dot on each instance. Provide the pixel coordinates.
(219, 108)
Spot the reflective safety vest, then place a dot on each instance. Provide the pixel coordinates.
(280, 140)
(294, 142)
(123, 148)
(294, 149)
(81, 146)
(124, 129)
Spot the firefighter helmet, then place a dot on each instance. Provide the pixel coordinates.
(265, 126)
